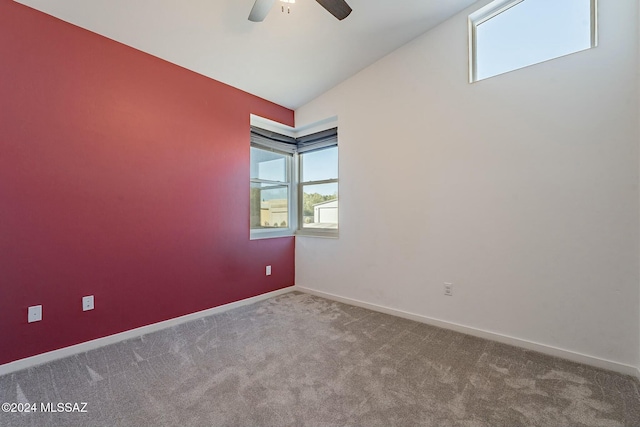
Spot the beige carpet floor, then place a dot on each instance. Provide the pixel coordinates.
(300, 360)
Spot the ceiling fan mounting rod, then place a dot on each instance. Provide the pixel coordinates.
(288, 2)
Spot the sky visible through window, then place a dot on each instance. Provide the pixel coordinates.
(318, 165)
(269, 166)
(321, 165)
(530, 32)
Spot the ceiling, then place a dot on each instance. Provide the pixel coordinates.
(288, 59)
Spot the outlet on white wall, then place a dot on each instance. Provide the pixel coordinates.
(448, 289)
(268, 271)
(35, 313)
(87, 303)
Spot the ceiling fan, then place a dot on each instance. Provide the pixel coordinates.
(338, 8)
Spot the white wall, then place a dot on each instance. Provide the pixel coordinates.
(638, 76)
(522, 190)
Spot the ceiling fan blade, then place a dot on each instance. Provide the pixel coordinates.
(260, 10)
(338, 8)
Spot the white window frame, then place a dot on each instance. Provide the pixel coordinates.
(495, 8)
(315, 232)
(267, 233)
(266, 136)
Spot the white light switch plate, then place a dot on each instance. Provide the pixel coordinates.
(268, 270)
(35, 313)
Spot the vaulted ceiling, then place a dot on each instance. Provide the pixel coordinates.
(289, 58)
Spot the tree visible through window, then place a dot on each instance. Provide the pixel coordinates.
(319, 189)
(283, 202)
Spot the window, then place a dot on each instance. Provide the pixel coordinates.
(318, 191)
(507, 35)
(270, 190)
(282, 201)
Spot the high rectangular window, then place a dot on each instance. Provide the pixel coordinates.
(507, 35)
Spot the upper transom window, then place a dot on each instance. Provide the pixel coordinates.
(507, 35)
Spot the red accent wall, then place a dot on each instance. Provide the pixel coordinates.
(121, 176)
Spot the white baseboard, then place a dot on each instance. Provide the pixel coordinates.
(133, 333)
(39, 359)
(505, 339)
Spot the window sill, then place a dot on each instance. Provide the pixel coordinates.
(333, 234)
(259, 235)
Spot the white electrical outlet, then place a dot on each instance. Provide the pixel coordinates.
(448, 289)
(268, 271)
(87, 303)
(35, 313)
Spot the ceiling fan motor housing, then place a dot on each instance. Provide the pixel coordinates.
(338, 8)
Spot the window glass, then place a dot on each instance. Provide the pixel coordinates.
(269, 206)
(320, 206)
(320, 165)
(270, 190)
(530, 32)
(283, 202)
(268, 165)
(319, 190)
